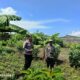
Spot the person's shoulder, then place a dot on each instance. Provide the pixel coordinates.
(27, 41)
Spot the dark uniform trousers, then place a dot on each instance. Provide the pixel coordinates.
(28, 60)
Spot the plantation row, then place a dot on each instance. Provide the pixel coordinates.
(15, 44)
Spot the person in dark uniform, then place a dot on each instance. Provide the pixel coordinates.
(49, 54)
(28, 47)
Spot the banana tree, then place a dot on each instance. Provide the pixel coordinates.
(39, 38)
(6, 27)
(5, 22)
(57, 39)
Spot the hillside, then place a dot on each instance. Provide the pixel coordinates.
(71, 39)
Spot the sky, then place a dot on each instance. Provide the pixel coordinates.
(47, 16)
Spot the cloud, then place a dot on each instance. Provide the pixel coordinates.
(54, 20)
(8, 11)
(29, 24)
(75, 33)
(36, 24)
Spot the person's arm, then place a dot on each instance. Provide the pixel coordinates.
(24, 44)
(28, 49)
(25, 47)
(32, 48)
(46, 52)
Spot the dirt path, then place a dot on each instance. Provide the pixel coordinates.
(64, 55)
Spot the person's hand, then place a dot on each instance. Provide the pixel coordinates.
(28, 50)
(31, 49)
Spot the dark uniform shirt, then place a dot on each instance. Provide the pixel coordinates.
(49, 51)
(28, 47)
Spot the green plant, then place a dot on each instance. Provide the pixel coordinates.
(74, 56)
(43, 74)
(1, 49)
(57, 51)
(19, 45)
(36, 51)
(8, 50)
(56, 39)
(4, 43)
(11, 42)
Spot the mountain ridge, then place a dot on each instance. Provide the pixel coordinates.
(71, 39)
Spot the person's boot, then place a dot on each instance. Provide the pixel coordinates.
(18, 75)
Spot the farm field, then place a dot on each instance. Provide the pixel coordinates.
(11, 63)
(66, 53)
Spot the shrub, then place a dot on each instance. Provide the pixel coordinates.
(3, 43)
(8, 50)
(0, 43)
(11, 43)
(57, 51)
(19, 45)
(1, 49)
(74, 56)
(36, 51)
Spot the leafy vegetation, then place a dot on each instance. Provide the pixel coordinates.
(43, 74)
(6, 27)
(12, 63)
(12, 59)
(74, 56)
